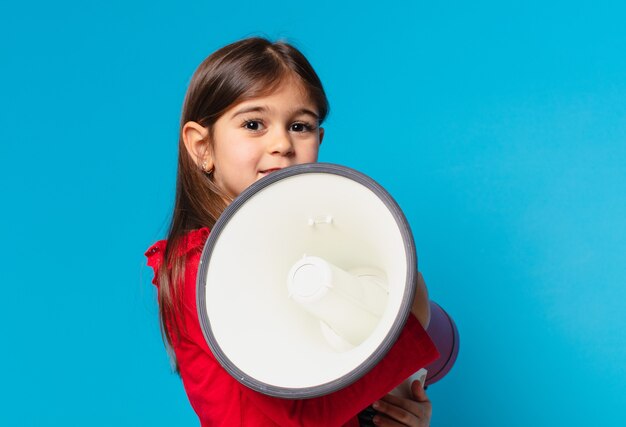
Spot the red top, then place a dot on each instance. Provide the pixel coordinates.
(220, 400)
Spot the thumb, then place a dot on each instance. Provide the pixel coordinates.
(418, 391)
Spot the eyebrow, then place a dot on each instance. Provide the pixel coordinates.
(263, 109)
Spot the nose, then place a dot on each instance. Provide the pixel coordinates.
(281, 144)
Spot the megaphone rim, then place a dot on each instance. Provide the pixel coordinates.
(401, 317)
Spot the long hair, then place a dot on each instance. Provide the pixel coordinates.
(240, 71)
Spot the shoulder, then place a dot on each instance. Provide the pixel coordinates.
(191, 242)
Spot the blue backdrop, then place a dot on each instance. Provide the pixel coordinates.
(499, 128)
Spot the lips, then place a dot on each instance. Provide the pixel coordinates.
(269, 171)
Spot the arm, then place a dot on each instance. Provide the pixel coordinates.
(339, 407)
(421, 305)
(393, 369)
(416, 409)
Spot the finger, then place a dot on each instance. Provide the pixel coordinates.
(406, 403)
(384, 421)
(419, 394)
(404, 411)
(393, 399)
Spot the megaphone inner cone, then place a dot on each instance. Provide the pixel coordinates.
(349, 305)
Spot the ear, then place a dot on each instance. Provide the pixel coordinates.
(321, 135)
(195, 138)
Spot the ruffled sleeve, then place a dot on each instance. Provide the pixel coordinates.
(154, 254)
(190, 242)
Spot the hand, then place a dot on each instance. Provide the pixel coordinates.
(398, 411)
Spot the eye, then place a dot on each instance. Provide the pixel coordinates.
(301, 127)
(253, 125)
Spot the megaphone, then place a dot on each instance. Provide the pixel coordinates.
(445, 335)
(306, 280)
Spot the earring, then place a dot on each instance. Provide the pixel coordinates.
(205, 165)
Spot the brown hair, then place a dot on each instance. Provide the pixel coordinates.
(242, 70)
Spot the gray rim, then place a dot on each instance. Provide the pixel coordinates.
(398, 324)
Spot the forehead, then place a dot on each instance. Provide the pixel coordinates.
(289, 87)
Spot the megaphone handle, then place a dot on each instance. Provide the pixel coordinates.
(366, 417)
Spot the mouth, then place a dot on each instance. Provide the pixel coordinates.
(268, 171)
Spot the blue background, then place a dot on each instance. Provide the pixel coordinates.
(499, 128)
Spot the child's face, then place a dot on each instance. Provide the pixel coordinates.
(261, 135)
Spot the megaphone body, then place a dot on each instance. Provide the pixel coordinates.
(322, 260)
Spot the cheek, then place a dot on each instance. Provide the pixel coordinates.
(309, 154)
(239, 154)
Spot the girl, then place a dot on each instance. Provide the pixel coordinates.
(254, 107)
